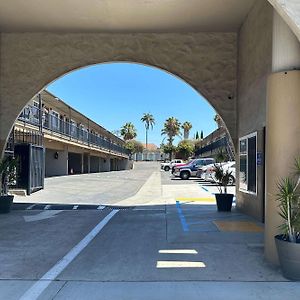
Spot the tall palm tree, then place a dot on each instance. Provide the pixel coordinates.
(149, 121)
(218, 120)
(186, 126)
(171, 129)
(128, 131)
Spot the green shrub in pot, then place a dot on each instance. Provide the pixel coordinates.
(7, 177)
(222, 179)
(288, 242)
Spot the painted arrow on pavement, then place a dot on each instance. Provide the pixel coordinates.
(42, 216)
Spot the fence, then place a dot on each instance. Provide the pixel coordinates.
(68, 128)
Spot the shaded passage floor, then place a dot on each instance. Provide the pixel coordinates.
(129, 247)
(177, 247)
(136, 246)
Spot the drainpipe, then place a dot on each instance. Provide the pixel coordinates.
(40, 113)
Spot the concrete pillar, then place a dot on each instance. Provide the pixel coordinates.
(99, 164)
(82, 163)
(89, 163)
(282, 145)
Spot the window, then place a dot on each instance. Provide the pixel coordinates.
(248, 150)
(55, 120)
(35, 112)
(73, 128)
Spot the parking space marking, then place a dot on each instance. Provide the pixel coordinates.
(100, 207)
(30, 207)
(185, 226)
(37, 289)
(203, 199)
(75, 206)
(47, 207)
(203, 188)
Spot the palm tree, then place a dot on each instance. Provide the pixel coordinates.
(128, 131)
(171, 129)
(186, 126)
(218, 120)
(149, 121)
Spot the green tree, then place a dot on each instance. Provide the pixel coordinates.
(218, 120)
(198, 145)
(168, 149)
(201, 135)
(134, 146)
(171, 129)
(186, 126)
(185, 149)
(197, 135)
(149, 121)
(128, 131)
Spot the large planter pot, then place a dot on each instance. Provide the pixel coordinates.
(6, 203)
(289, 257)
(224, 201)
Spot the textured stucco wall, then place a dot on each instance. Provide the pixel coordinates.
(286, 46)
(254, 66)
(56, 167)
(30, 61)
(289, 10)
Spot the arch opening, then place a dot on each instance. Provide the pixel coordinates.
(49, 119)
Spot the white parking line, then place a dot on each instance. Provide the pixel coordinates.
(75, 206)
(37, 289)
(47, 207)
(30, 207)
(101, 207)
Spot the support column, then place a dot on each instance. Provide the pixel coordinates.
(82, 163)
(99, 164)
(282, 145)
(89, 163)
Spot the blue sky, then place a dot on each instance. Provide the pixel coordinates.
(115, 93)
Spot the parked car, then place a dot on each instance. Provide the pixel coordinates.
(202, 170)
(210, 172)
(168, 165)
(190, 169)
(228, 166)
(180, 165)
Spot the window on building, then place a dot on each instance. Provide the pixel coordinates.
(55, 120)
(73, 128)
(35, 112)
(248, 149)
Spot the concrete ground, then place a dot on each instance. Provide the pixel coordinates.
(96, 188)
(169, 243)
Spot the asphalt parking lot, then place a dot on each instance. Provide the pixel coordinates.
(94, 189)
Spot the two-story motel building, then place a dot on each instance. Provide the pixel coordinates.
(71, 142)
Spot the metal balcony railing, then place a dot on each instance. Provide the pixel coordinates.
(68, 129)
(213, 146)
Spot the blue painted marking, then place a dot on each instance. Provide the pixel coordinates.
(184, 225)
(205, 189)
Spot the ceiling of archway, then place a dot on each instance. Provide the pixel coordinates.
(123, 15)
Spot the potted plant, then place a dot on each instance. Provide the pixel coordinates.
(222, 177)
(7, 176)
(288, 242)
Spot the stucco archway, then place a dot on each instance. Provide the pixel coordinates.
(30, 61)
(289, 10)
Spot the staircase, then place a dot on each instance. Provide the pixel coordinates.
(230, 148)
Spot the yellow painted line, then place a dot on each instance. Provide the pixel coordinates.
(238, 226)
(204, 199)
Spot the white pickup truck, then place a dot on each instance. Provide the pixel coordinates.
(168, 165)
